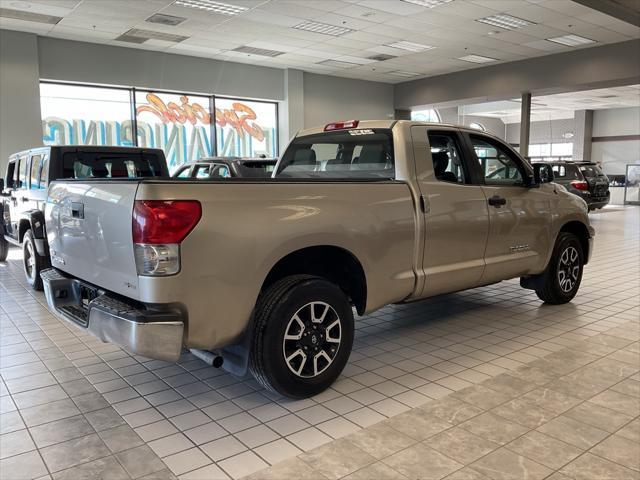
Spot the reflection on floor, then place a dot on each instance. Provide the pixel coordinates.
(556, 382)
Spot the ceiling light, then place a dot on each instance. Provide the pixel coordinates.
(162, 19)
(571, 40)
(257, 51)
(410, 46)
(29, 16)
(323, 28)
(400, 73)
(381, 57)
(338, 64)
(211, 6)
(477, 59)
(428, 3)
(505, 21)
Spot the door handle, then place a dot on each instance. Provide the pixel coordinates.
(497, 201)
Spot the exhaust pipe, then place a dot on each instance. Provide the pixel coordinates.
(209, 358)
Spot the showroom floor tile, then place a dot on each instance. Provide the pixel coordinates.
(486, 383)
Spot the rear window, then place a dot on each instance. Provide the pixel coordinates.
(111, 165)
(256, 168)
(350, 154)
(591, 171)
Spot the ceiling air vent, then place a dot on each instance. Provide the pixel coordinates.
(162, 19)
(29, 16)
(136, 35)
(382, 57)
(257, 51)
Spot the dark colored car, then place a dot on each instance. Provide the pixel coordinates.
(23, 191)
(225, 167)
(584, 179)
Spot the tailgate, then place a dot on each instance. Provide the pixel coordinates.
(89, 232)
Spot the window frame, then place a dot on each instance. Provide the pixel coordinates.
(23, 160)
(526, 171)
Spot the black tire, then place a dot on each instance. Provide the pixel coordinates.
(560, 281)
(274, 317)
(4, 248)
(32, 263)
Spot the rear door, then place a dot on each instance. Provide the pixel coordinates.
(455, 212)
(18, 203)
(519, 216)
(37, 192)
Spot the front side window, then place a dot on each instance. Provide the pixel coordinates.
(11, 175)
(183, 173)
(497, 164)
(352, 154)
(445, 153)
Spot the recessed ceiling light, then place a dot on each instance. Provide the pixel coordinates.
(401, 73)
(410, 46)
(571, 40)
(338, 64)
(477, 59)
(211, 6)
(323, 28)
(381, 57)
(505, 21)
(257, 51)
(428, 3)
(29, 16)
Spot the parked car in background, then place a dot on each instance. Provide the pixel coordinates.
(227, 167)
(584, 179)
(24, 191)
(265, 273)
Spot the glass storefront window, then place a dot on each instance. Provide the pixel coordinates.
(430, 115)
(245, 128)
(82, 115)
(180, 124)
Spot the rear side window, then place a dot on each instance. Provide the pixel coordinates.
(11, 174)
(36, 169)
(349, 154)
(445, 153)
(201, 171)
(100, 165)
(566, 172)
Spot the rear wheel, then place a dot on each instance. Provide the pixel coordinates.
(4, 248)
(32, 262)
(303, 336)
(561, 280)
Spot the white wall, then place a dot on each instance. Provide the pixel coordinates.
(615, 154)
(550, 131)
(491, 125)
(328, 99)
(20, 121)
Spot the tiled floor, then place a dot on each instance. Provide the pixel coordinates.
(73, 407)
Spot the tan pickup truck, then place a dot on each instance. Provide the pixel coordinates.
(264, 274)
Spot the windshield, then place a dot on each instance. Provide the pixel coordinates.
(111, 165)
(350, 154)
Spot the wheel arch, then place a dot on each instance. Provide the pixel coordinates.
(580, 230)
(333, 263)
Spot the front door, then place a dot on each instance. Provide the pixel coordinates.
(455, 212)
(519, 215)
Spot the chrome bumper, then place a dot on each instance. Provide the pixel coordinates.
(152, 333)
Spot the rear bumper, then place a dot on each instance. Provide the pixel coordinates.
(154, 333)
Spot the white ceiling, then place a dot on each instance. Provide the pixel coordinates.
(558, 106)
(451, 28)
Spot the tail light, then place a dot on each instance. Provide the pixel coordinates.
(341, 125)
(158, 229)
(580, 185)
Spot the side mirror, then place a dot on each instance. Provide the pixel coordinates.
(542, 173)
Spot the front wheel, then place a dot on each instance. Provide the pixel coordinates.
(561, 280)
(32, 262)
(303, 334)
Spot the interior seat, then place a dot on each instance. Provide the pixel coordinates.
(440, 164)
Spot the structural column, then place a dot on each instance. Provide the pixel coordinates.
(582, 132)
(525, 123)
(291, 111)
